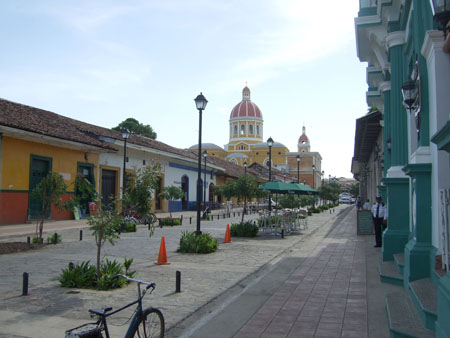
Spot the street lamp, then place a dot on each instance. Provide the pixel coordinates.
(314, 176)
(270, 144)
(245, 168)
(125, 135)
(205, 155)
(298, 168)
(200, 103)
(314, 183)
(329, 179)
(441, 12)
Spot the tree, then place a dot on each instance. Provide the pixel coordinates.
(330, 191)
(49, 191)
(140, 184)
(226, 190)
(137, 128)
(171, 193)
(245, 187)
(354, 190)
(105, 224)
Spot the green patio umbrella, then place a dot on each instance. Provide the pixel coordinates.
(276, 186)
(302, 189)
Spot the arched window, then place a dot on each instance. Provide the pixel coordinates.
(257, 130)
(235, 130)
(250, 129)
(242, 129)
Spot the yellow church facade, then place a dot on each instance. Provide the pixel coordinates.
(247, 145)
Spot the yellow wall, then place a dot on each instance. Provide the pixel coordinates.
(16, 162)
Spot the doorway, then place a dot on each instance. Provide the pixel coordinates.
(39, 168)
(109, 178)
(185, 188)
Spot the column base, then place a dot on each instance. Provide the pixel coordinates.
(394, 241)
(443, 311)
(418, 261)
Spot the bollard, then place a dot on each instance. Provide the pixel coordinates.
(81, 235)
(223, 216)
(282, 233)
(134, 227)
(330, 211)
(190, 220)
(178, 281)
(56, 238)
(234, 214)
(25, 284)
(212, 217)
(28, 240)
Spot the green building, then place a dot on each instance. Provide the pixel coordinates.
(408, 75)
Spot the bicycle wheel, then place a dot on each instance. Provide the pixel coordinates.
(151, 325)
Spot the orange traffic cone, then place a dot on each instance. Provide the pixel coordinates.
(162, 257)
(227, 235)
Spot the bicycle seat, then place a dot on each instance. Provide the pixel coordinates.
(100, 312)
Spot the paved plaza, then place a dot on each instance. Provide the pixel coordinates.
(320, 283)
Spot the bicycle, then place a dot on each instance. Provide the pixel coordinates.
(146, 323)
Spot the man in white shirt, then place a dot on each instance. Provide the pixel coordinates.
(378, 213)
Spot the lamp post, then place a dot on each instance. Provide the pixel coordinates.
(314, 176)
(205, 155)
(314, 183)
(298, 168)
(245, 168)
(270, 144)
(125, 135)
(329, 179)
(441, 13)
(200, 102)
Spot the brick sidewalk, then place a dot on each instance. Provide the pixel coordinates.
(324, 297)
(321, 291)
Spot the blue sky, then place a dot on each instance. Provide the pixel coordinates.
(103, 61)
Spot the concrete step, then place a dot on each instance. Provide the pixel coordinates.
(404, 319)
(399, 259)
(389, 273)
(424, 296)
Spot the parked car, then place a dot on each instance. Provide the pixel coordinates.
(345, 199)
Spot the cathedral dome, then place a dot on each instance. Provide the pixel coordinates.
(246, 108)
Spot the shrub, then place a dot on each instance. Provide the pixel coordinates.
(84, 275)
(246, 229)
(78, 276)
(170, 221)
(128, 227)
(191, 243)
(36, 240)
(314, 210)
(54, 239)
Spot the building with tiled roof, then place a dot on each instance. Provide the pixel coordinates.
(34, 142)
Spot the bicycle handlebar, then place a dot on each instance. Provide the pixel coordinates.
(149, 285)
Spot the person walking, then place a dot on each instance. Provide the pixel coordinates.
(378, 213)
